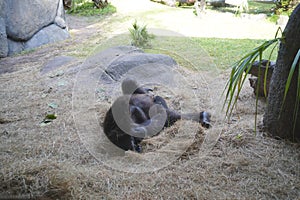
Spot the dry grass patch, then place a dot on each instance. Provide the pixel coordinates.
(52, 162)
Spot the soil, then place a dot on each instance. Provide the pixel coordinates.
(58, 158)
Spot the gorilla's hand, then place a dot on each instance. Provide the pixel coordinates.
(205, 119)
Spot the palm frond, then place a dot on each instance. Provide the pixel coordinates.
(292, 70)
(239, 73)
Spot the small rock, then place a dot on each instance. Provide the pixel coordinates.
(60, 22)
(56, 62)
(14, 47)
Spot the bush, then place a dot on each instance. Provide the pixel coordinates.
(139, 35)
(88, 8)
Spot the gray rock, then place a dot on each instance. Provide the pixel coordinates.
(217, 3)
(127, 62)
(60, 22)
(3, 36)
(49, 34)
(60, 19)
(25, 18)
(30, 23)
(103, 59)
(61, 10)
(3, 8)
(3, 39)
(15, 47)
(56, 63)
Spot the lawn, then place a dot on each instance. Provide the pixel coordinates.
(195, 53)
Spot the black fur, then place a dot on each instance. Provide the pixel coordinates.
(138, 100)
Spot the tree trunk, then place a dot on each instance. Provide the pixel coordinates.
(280, 122)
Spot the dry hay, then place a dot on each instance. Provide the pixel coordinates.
(166, 136)
(51, 162)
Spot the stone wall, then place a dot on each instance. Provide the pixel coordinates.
(28, 24)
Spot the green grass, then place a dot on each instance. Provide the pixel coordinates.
(204, 53)
(87, 8)
(261, 7)
(195, 53)
(227, 51)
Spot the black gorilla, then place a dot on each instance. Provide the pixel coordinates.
(138, 114)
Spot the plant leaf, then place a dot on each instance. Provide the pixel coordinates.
(51, 116)
(239, 74)
(289, 79)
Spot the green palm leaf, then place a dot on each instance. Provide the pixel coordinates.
(239, 73)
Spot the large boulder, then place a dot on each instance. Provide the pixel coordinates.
(25, 18)
(14, 47)
(3, 35)
(29, 24)
(127, 62)
(47, 35)
(3, 39)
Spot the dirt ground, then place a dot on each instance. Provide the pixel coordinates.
(60, 160)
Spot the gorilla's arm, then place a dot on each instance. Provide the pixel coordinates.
(202, 117)
(173, 116)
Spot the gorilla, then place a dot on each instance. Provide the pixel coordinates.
(138, 114)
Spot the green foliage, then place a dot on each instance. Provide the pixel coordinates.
(271, 9)
(50, 116)
(48, 119)
(273, 18)
(285, 6)
(224, 51)
(261, 7)
(241, 69)
(139, 35)
(88, 8)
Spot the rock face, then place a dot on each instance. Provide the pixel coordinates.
(29, 24)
